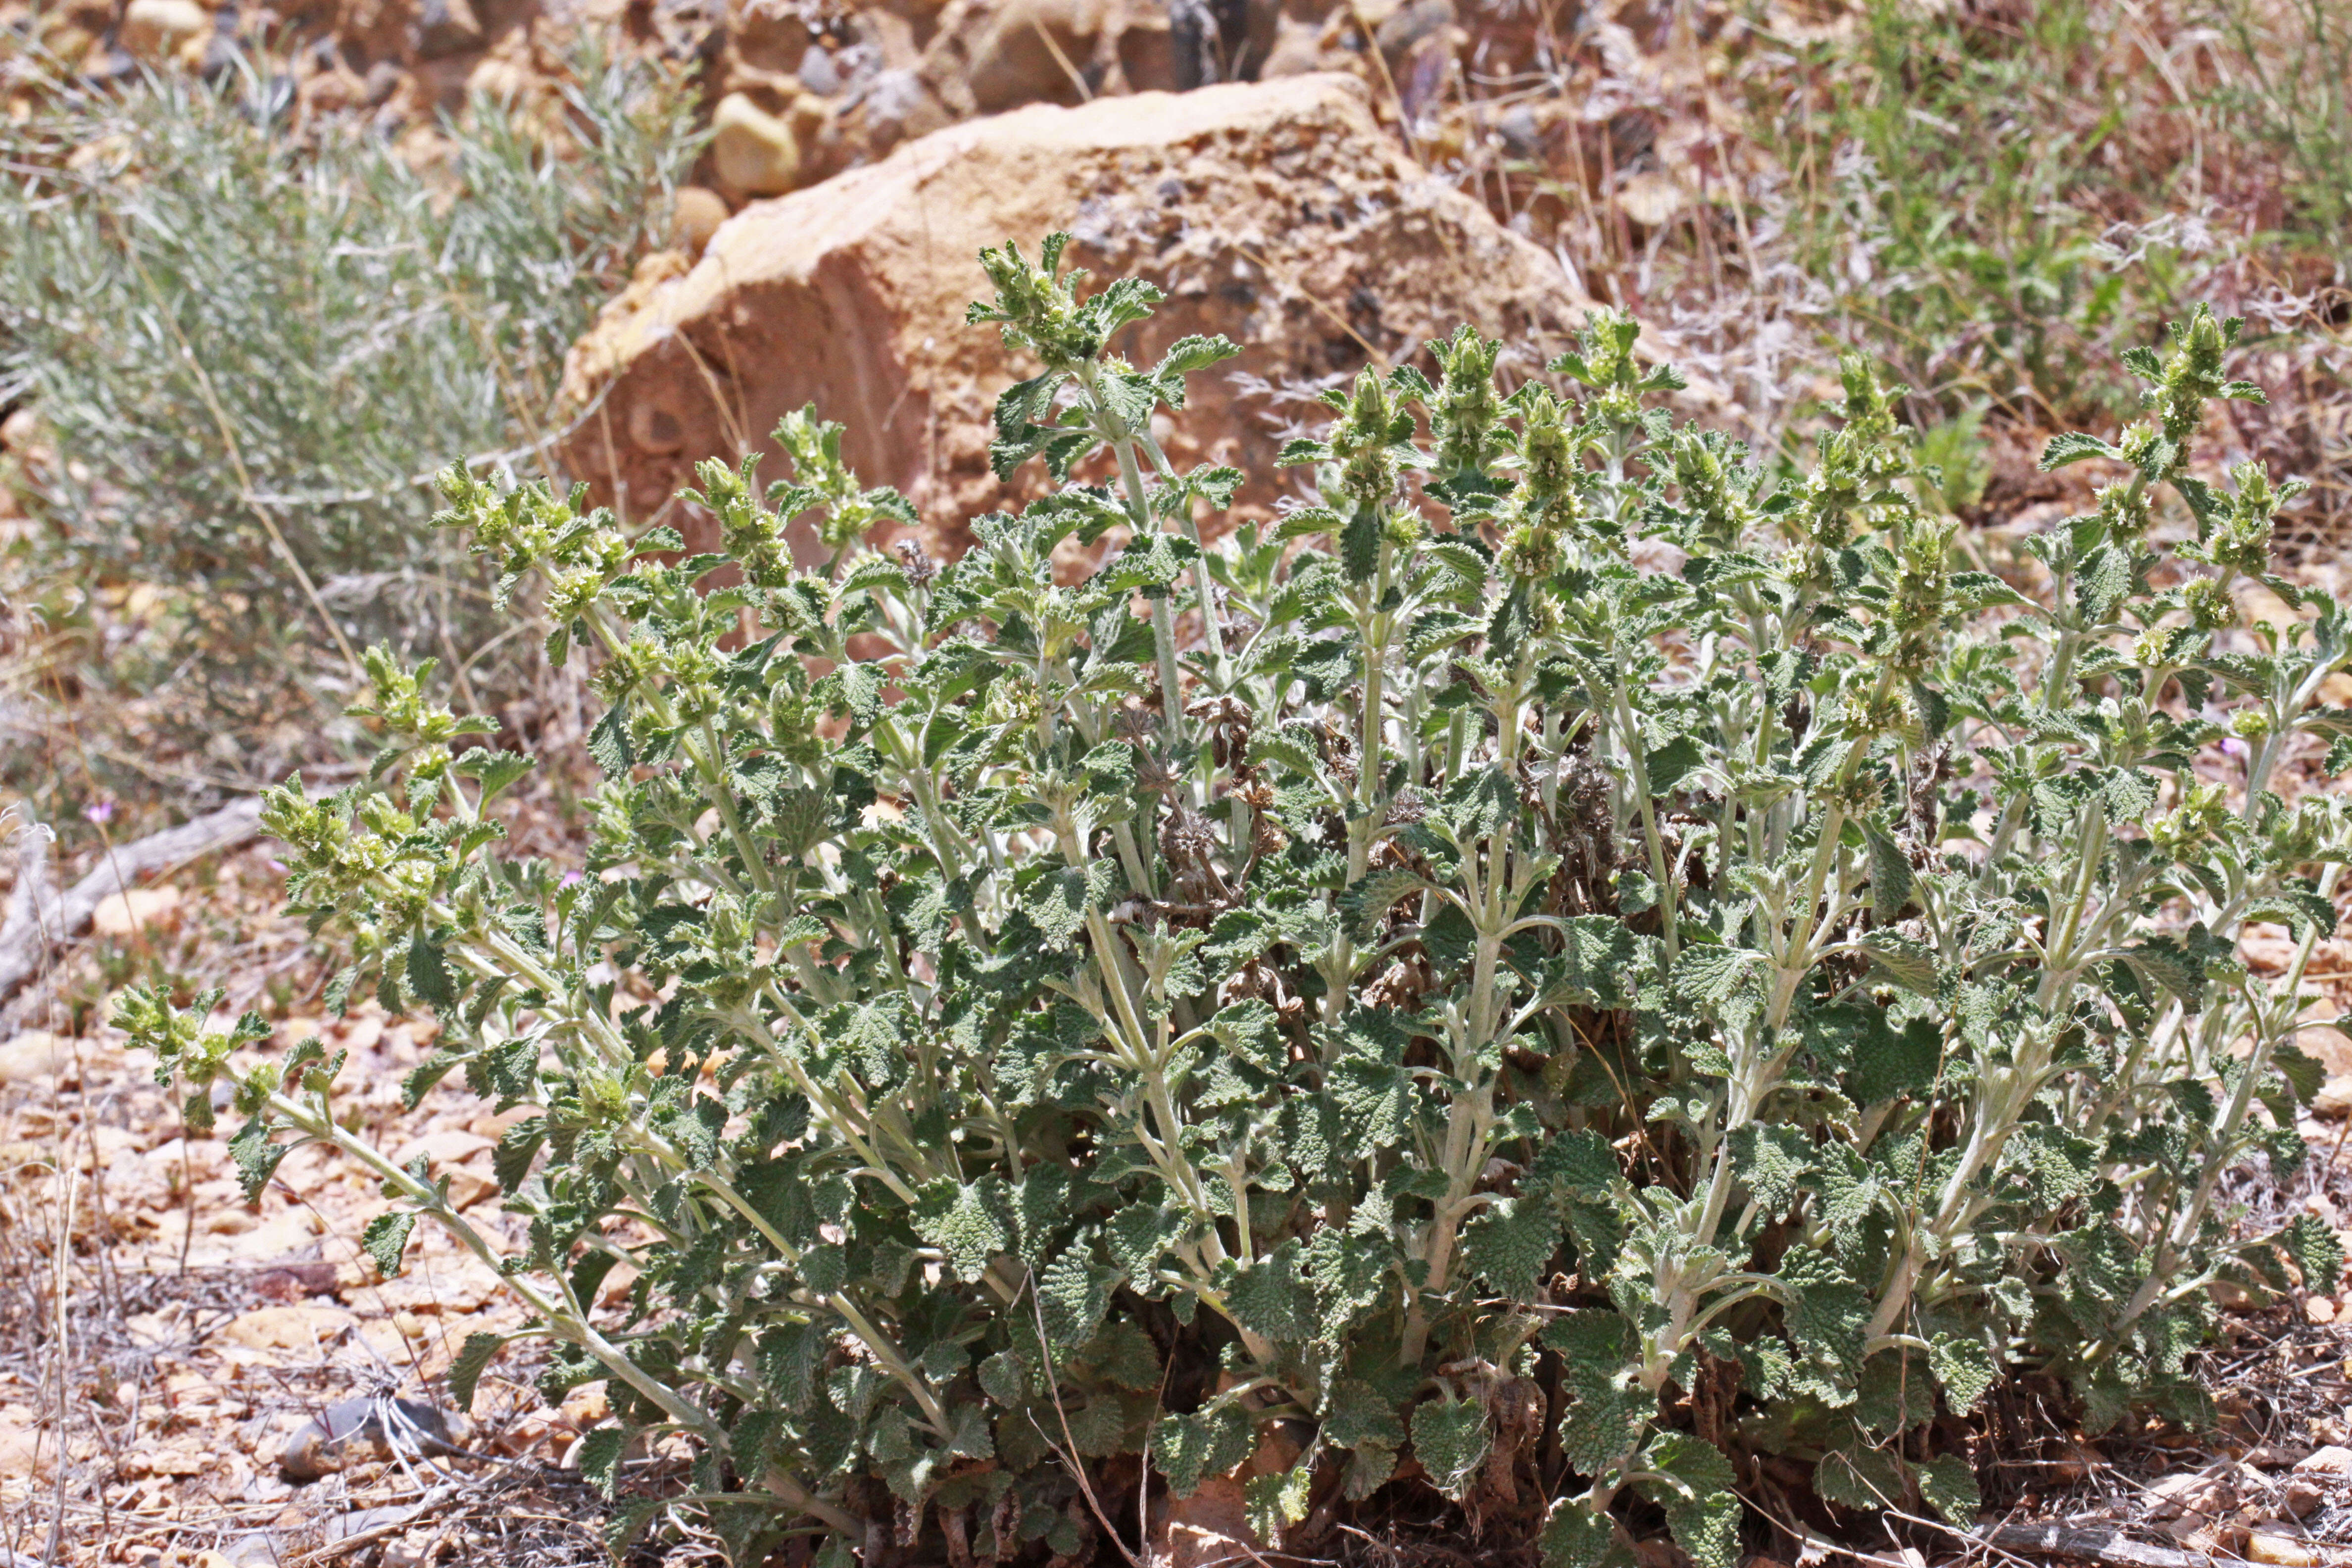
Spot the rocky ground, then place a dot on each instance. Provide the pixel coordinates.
(178, 1368)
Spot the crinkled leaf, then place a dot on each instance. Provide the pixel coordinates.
(1449, 1438)
(1948, 1485)
(385, 1238)
(466, 1370)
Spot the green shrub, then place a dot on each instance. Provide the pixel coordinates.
(1465, 990)
(250, 338)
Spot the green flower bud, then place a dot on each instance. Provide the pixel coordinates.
(1923, 580)
(2209, 605)
(1547, 451)
(1530, 550)
(1361, 446)
(1712, 490)
(1545, 507)
(1869, 715)
(1037, 308)
(1833, 491)
(1869, 410)
(1014, 700)
(604, 1096)
(2125, 510)
(2242, 540)
(2199, 817)
(2191, 375)
(1467, 408)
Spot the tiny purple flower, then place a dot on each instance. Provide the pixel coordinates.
(573, 878)
(100, 811)
(2232, 747)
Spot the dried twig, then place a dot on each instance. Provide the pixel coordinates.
(433, 1502)
(2091, 1544)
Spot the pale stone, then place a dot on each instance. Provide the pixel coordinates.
(154, 30)
(2282, 1551)
(756, 151)
(135, 909)
(35, 1054)
(2335, 1098)
(1031, 52)
(305, 1328)
(695, 215)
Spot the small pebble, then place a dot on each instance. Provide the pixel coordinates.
(2331, 1460)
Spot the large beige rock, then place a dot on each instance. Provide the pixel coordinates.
(1277, 213)
(1024, 51)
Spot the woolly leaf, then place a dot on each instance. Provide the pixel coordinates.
(1270, 1298)
(517, 1147)
(385, 1238)
(1700, 1506)
(1859, 1477)
(1366, 902)
(429, 979)
(2073, 447)
(1449, 1437)
(600, 1458)
(1607, 1407)
(1122, 1353)
(1188, 1449)
(1890, 875)
(1360, 1414)
(1005, 1378)
(256, 1156)
(2317, 1251)
(1278, 1499)
(1907, 962)
(472, 1360)
(1576, 1537)
(1965, 1368)
(967, 1221)
(1509, 1242)
(1948, 1485)
(1074, 1295)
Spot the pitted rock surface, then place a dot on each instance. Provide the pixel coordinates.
(1278, 214)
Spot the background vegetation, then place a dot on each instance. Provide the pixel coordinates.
(247, 340)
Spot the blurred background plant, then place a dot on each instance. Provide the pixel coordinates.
(238, 337)
(2292, 92)
(1995, 198)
